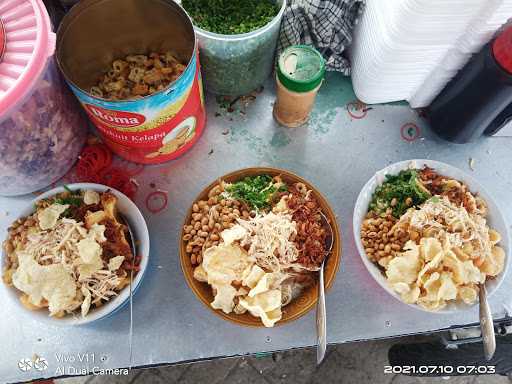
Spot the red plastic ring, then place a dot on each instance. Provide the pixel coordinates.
(153, 195)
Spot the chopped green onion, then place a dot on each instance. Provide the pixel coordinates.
(229, 17)
(399, 192)
(257, 191)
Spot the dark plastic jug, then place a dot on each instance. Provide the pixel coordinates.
(478, 100)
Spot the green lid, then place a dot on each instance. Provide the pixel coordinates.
(300, 68)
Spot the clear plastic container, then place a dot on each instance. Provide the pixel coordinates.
(42, 129)
(41, 140)
(235, 65)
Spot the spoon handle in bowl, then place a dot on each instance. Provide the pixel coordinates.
(486, 325)
(321, 319)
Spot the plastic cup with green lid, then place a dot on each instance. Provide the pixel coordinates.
(299, 76)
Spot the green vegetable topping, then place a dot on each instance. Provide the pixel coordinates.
(399, 192)
(230, 17)
(71, 198)
(257, 192)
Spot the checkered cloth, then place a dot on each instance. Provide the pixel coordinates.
(325, 24)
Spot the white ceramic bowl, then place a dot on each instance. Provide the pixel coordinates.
(495, 220)
(140, 231)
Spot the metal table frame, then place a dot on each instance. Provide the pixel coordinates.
(338, 151)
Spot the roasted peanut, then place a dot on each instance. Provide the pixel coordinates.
(9, 248)
(214, 191)
(209, 217)
(377, 237)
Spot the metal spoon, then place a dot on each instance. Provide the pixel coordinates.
(134, 252)
(321, 315)
(486, 324)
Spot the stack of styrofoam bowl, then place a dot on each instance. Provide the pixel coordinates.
(410, 49)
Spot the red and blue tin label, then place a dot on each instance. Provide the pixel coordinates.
(156, 128)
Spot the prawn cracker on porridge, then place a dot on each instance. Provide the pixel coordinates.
(428, 234)
(257, 242)
(72, 254)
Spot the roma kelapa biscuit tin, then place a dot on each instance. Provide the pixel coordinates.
(150, 129)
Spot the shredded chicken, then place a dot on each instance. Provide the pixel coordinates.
(451, 224)
(59, 246)
(270, 240)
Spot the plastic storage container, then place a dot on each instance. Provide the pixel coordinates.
(300, 72)
(42, 129)
(235, 65)
(479, 99)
